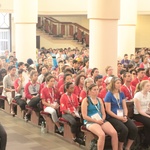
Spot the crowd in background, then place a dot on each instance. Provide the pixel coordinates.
(60, 81)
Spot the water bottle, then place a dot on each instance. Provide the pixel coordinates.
(43, 127)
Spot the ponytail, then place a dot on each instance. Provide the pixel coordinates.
(138, 88)
(140, 85)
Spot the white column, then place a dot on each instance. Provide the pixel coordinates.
(103, 25)
(127, 27)
(25, 18)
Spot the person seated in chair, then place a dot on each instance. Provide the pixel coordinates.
(93, 112)
(32, 92)
(19, 85)
(142, 108)
(8, 86)
(69, 108)
(49, 97)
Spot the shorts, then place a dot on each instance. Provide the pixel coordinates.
(88, 124)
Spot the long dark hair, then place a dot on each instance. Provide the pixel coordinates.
(77, 81)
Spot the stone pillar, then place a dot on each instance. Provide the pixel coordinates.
(103, 25)
(127, 28)
(25, 19)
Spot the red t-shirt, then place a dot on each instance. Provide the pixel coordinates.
(128, 91)
(68, 103)
(83, 94)
(135, 82)
(145, 78)
(49, 95)
(77, 90)
(31, 89)
(16, 84)
(141, 65)
(102, 93)
(104, 78)
(43, 85)
(60, 83)
(61, 89)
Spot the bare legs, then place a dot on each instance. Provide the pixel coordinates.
(129, 144)
(100, 131)
(109, 129)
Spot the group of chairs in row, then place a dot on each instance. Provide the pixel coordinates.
(66, 135)
(37, 117)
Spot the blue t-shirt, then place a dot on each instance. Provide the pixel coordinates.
(115, 104)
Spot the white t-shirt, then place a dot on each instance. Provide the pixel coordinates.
(40, 78)
(144, 101)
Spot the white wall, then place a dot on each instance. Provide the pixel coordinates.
(51, 7)
(143, 31)
(143, 6)
(6, 6)
(67, 7)
(63, 7)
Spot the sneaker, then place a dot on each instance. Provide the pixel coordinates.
(26, 118)
(79, 140)
(61, 129)
(12, 113)
(74, 139)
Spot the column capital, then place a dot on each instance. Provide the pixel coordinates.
(25, 11)
(128, 12)
(104, 9)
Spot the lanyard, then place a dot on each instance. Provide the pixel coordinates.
(71, 101)
(51, 94)
(118, 101)
(80, 89)
(97, 107)
(130, 90)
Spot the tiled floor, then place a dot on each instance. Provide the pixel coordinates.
(24, 136)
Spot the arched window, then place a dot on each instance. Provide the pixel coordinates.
(5, 32)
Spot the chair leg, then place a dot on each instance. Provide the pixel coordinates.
(20, 113)
(35, 118)
(2, 104)
(50, 124)
(67, 133)
(7, 107)
(88, 139)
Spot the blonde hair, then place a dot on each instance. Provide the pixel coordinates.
(111, 86)
(140, 85)
(106, 69)
(85, 83)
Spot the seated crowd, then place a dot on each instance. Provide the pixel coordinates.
(64, 85)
